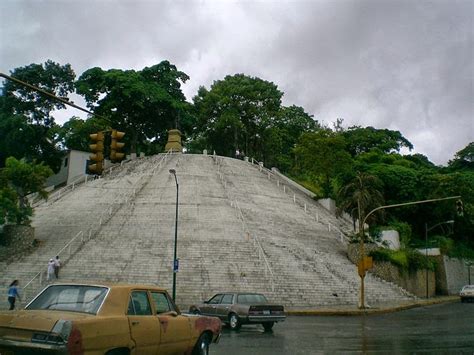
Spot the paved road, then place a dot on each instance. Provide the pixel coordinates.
(440, 329)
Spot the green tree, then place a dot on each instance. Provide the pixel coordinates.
(145, 104)
(74, 134)
(37, 108)
(323, 154)
(235, 114)
(360, 196)
(18, 179)
(464, 159)
(364, 139)
(26, 116)
(283, 133)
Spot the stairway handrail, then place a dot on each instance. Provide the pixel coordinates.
(108, 211)
(262, 168)
(260, 249)
(80, 233)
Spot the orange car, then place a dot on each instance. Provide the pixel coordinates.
(105, 319)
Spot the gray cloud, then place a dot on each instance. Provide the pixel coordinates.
(405, 65)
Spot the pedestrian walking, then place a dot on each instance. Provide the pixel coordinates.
(13, 294)
(57, 265)
(50, 276)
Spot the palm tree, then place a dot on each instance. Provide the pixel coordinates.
(362, 194)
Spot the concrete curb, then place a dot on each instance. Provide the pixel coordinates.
(373, 310)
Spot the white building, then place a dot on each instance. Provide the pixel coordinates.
(73, 168)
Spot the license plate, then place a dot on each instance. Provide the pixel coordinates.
(266, 312)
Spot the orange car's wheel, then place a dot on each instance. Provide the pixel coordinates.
(202, 345)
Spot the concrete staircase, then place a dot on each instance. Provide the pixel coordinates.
(239, 229)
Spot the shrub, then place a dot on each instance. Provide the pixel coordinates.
(407, 260)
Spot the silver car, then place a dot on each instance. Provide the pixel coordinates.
(235, 309)
(467, 293)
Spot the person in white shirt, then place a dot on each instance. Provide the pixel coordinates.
(50, 270)
(57, 265)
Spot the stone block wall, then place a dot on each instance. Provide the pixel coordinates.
(414, 283)
(457, 275)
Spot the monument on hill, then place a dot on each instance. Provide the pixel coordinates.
(174, 141)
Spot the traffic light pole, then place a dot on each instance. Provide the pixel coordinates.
(41, 91)
(362, 250)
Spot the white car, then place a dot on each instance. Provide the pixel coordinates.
(467, 293)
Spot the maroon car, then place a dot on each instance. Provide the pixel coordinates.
(235, 309)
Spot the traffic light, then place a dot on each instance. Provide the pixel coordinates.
(459, 208)
(115, 146)
(97, 148)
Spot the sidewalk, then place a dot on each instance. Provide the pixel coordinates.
(352, 310)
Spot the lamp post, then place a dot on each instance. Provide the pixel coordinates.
(426, 247)
(175, 260)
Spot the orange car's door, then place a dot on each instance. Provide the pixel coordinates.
(175, 329)
(144, 326)
(175, 333)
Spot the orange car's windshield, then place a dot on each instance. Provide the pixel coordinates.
(74, 298)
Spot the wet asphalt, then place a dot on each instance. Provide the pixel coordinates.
(438, 329)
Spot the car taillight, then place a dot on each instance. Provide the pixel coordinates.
(58, 335)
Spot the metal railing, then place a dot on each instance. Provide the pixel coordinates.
(61, 192)
(256, 242)
(287, 189)
(84, 237)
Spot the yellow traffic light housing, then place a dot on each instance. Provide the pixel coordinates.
(115, 146)
(97, 148)
(364, 264)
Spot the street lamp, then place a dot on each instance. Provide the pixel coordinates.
(426, 246)
(175, 260)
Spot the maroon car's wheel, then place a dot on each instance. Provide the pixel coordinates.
(234, 321)
(268, 326)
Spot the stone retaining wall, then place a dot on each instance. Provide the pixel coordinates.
(414, 283)
(451, 275)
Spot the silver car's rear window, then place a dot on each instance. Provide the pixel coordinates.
(73, 298)
(251, 299)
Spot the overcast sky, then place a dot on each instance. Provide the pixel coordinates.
(402, 65)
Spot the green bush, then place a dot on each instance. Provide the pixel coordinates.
(407, 260)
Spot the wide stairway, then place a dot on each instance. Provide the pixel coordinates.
(239, 228)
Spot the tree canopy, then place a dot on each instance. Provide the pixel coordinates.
(237, 113)
(18, 179)
(144, 104)
(26, 116)
(364, 139)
